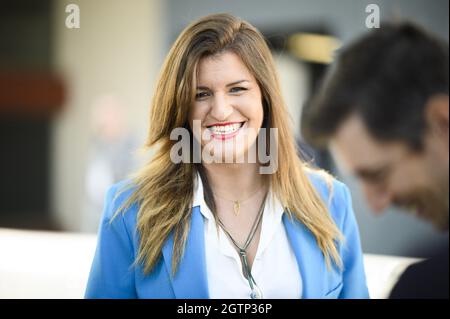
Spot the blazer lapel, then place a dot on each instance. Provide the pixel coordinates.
(309, 257)
(190, 280)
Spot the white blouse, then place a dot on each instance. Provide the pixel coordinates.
(275, 268)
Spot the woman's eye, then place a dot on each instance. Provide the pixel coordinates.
(238, 89)
(201, 95)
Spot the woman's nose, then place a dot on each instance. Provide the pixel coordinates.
(221, 109)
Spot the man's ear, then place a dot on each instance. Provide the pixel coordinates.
(437, 116)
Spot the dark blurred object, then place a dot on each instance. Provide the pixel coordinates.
(320, 158)
(24, 168)
(34, 93)
(425, 280)
(30, 97)
(25, 34)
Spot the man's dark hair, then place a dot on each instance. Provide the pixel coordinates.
(386, 77)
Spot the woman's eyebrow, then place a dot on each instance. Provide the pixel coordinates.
(229, 84)
(237, 82)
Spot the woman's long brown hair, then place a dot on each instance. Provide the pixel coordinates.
(164, 190)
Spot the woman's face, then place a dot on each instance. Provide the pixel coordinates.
(228, 105)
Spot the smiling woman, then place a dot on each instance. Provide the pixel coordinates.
(228, 103)
(210, 229)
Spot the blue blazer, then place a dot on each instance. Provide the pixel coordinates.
(113, 274)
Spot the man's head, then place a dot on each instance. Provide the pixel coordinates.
(384, 110)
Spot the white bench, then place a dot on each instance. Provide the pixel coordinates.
(36, 264)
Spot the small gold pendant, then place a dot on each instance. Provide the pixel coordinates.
(237, 206)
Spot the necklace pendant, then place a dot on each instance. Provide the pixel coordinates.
(256, 293)
(236, 207)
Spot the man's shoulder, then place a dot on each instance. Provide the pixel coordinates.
(425, 279)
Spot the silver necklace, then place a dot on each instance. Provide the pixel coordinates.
(256, 293)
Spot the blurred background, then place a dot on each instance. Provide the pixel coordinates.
(74, 102)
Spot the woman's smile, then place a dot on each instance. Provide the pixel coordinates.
(225, 131)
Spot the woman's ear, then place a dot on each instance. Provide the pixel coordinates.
(437, 116)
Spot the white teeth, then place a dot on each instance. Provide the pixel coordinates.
(227, 129)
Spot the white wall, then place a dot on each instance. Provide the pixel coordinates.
(116, 50)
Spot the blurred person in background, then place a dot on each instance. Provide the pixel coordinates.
(225, 230)
(384, 111)
(110, 156)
